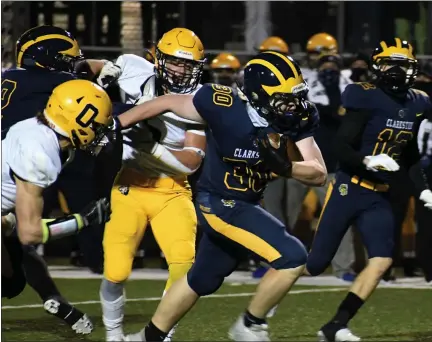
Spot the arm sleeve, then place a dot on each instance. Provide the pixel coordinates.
(348, 136)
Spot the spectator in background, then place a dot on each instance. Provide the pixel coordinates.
(326, 86)
(359, 69)
(224, 69)
(318, 45)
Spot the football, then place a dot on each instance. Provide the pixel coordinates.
(292, 149)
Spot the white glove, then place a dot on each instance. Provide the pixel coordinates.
(109, 73)
(381, 162)
(426, 197)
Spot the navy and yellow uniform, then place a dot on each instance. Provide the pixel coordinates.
(375, 123)
(229, 189)
(25, 92)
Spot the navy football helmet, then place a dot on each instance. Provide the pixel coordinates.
(48, 47)
(274, 86)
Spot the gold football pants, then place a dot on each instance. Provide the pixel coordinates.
(166, 204)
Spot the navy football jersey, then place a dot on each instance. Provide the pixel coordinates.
(233, 168)
(392, 123)
(25, 92)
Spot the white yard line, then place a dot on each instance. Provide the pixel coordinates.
(154, 299)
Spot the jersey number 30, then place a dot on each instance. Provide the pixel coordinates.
(222, 95)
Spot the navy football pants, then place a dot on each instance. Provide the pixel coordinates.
(346, 204)
(230, 230)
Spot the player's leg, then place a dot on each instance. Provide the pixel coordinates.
(376, 226)
(216, 258)
(174, 229)
(13, 278)
(122, 235)
(424, 239)
(333, 223)
(344, 257)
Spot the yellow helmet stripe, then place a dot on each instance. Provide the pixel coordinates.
(398, 43)
(270, 66)
(287, 61)
(74, 50)
(383, 45)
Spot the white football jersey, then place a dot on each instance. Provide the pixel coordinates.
(31, 151)
(137, 80)
(424, 138)
(317, 93)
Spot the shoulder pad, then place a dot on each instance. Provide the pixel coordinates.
(355, 95)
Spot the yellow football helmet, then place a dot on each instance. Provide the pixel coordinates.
(322, 43)
(274, 44)
(224, 69)
(80, 111)
(394, 64)
(179, 61)
(48, 47)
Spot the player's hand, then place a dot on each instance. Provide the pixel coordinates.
(274, 154)
(109, 73)
(97, 212)
(426, 197)
(381, 162)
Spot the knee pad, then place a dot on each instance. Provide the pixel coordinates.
(181, 252)
(203, 285)
(293, 256)
(116, 274)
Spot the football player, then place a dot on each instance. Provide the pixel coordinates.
(318, 45)
(240, 160)
(376, 135)
(158, 155)
(224, 68)
(76, 117)
(46, 57)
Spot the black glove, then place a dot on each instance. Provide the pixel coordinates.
(97, 212)
(276, 159)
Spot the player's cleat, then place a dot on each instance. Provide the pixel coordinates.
(77, 320)
(256, 332)
(342, 335)
(139, 336)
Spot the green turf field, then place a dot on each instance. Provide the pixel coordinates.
(391, 315)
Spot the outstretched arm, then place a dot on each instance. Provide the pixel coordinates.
(181, 105)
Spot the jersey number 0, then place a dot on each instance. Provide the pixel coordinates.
(222, 95)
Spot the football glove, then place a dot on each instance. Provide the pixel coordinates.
(381, 162)
(426, 197)
(97, 212)
(275, 157)
(109, 73)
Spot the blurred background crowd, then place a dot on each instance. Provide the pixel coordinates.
(332, 40)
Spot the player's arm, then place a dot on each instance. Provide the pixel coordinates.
(33, 229)
(348, 136)
(192, 154)
(182, 105)
(312, 171)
